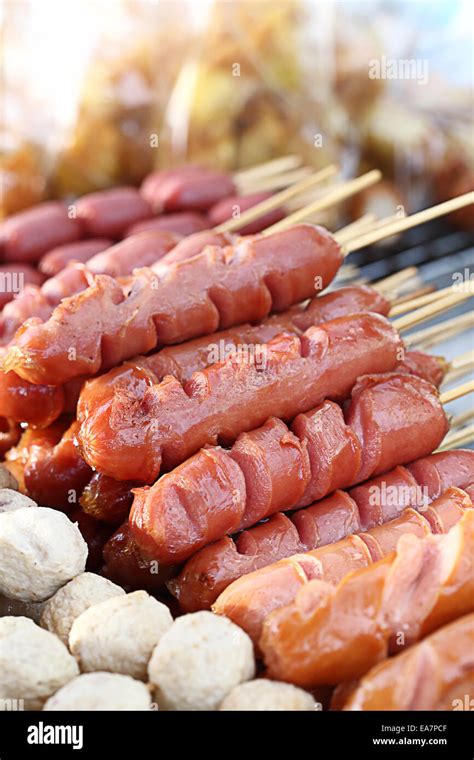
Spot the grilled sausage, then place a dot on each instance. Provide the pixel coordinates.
(335, 633)
(187, 188)
(27, 235)
(435, 674)
(274, 468)
(374, 503)
(218, 288)
(161, 424)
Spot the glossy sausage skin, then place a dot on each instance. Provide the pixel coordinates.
(58, 258)
(193, 245)
(183, 223)
(215, 567)
(331, 634)
(54, 473)
(164, 423)
(32, 302)
(140, 250)
(126, 564)
(218, 288)
(227, 208)
(26, 236)
(432, 368)
(14, 277)
(108, 213)
(274, 468)
(106, 500)
(187, 188)
(10, 433)
(184, 359)
(435, 674)
(116, 261)
(250, 600)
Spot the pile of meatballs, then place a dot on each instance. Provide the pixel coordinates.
(73, 640)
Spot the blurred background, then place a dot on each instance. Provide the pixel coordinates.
(101, 92)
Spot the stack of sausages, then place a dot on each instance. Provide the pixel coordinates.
(180, 395)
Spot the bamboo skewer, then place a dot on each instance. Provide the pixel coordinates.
(339, 193)
(347, 233)
(438, 333)
(417, 302)
(461, 420)
(407, 297)
(277, 200)
(402, 224)
(460, 366)
(267, 168)
(430, 310)
(458, 392)
(395, 280)
(275, 181)
(464, 360)
(457, 438)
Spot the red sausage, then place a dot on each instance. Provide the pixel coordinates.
(55, 474)
(56, 259)
(74, 278)
(141, 250)
(44, 402)
(195, 244)
(228, 208)
(31, 303)
(187, 188)
(14, 277)
(126, 565)
(381, 498)
(218, 288)
(117, 261)
(184, 359)
(383, 434)
(249, 600)
(183, 223)
(280, 470)
(435, 473)
(108, 213)
(10, 433)
(26, 236)
(432, 368)
(106, 499)
(375, 502)
(171, 421)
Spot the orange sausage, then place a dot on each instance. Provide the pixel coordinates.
(330, 634)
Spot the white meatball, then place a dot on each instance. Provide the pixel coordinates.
(11, 499)
(198, 661)
(119, 635)
(267, 695)
(33, 663)
(101, 691)
(60, 612)
(40, 550)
